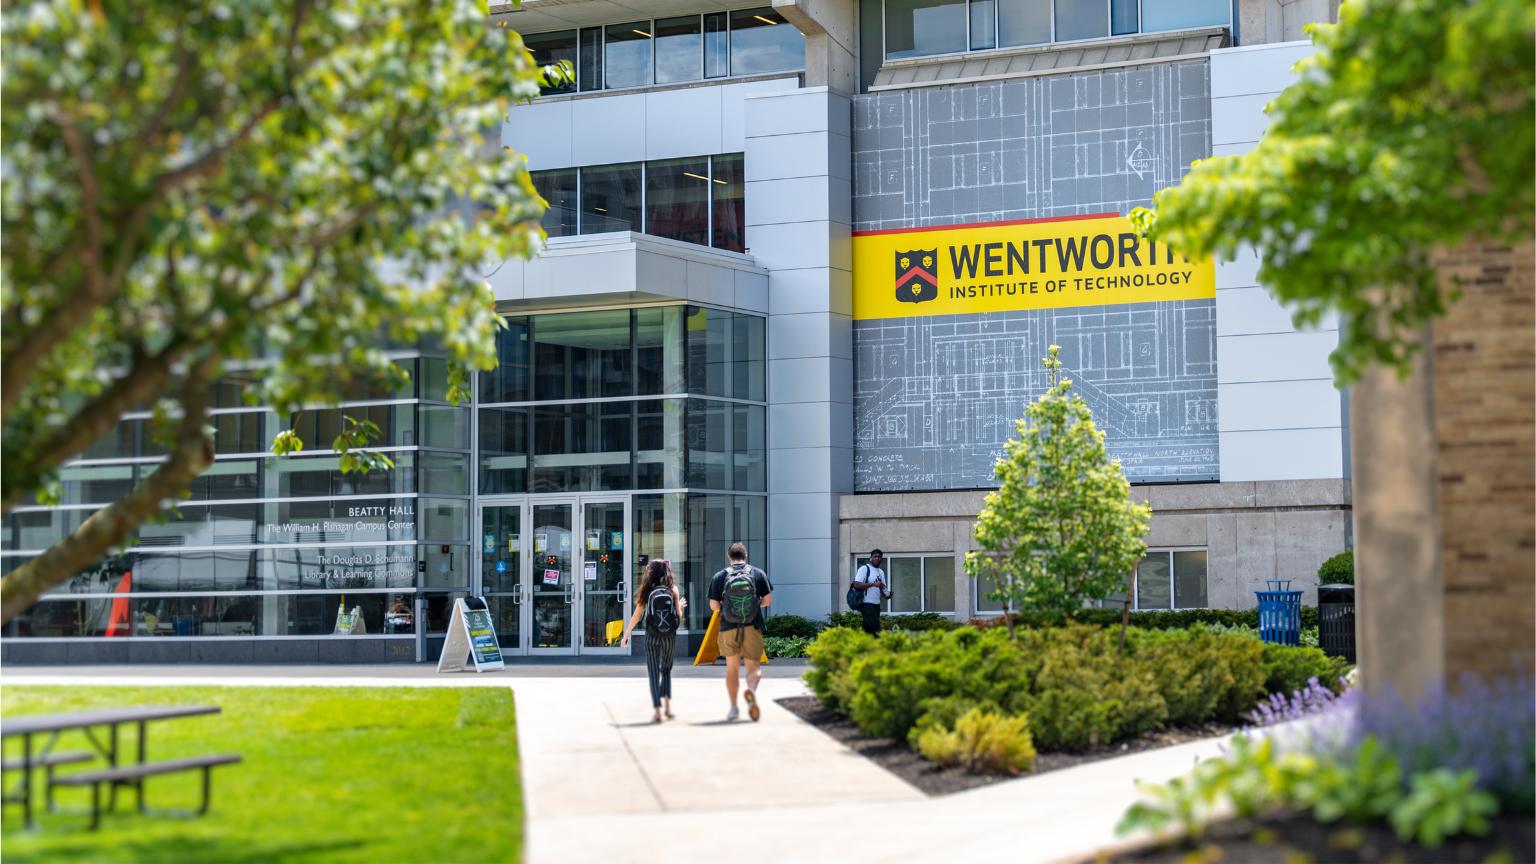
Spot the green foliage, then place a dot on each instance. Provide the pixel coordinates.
(1338, 570)
(941, 712)
(912, 621)
(981, 741)
(1408, 130)
(1362, 785)
(1287, 668)
(282, 186)
(790, 625)
(1061, 527)
(1203, 674)
(1442, 804)
(832, 656)
(1084, 693)
(1176, 619)
(786, 646)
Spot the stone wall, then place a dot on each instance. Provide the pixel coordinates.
(1251, 531)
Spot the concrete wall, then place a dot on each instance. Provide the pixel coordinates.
(1270, 21)
(797, 201)
(1251, 531)
(1280, 417)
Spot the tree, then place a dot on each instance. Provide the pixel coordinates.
(281, 183)
(1061, 528)
(1408, 131)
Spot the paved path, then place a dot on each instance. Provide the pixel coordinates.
(602, 784)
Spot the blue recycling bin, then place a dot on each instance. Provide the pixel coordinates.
(1280, 613)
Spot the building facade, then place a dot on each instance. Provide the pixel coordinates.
(707, 350)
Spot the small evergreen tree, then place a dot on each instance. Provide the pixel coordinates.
(1061, 528)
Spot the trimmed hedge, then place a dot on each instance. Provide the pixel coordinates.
(790, 626)
(1338, 570)
(914, 621)
(1176, 619)
(1076, 687)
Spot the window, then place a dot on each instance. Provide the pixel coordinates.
(920, 28)
(610, 198)
(763, 42)
(1168, 579)
(582, 355)
(919, 583)
(674, 50)
(627, 55)
(550, 49)
(698, 199)
(678, 44)
(677, 199)
(725, 354)
(981, 601)
(558, 189)
(916, 28)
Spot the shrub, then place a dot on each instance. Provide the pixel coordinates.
(1338, 570)
(786, 646)
(981, 740)
(790, 626)
(942, 712)
(1287, 668)
(1176, 619)
(915, 621)
(1204, 674)
(887, 692)
(831, 655)
(1085, 693)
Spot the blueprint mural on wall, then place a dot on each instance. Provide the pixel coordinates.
(935, 397)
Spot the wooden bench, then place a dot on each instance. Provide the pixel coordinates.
(134, 776)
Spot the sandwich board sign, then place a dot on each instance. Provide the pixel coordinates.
(471, 639)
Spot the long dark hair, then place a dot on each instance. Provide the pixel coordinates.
(658, 574)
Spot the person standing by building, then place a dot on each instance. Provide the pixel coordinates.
(870, 579)
(739, 593)
(662, 607)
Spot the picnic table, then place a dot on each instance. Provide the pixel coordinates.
(108, 723)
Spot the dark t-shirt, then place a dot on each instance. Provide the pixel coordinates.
(717, 593)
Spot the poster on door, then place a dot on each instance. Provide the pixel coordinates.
(589, 571)
(551, 577)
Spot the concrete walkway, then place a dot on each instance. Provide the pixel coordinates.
(602, 784)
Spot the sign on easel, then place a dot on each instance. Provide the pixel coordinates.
(471, 639)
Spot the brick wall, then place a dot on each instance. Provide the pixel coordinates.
(1485, 424)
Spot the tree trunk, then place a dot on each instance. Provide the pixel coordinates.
(111, 526)
(1125, 612)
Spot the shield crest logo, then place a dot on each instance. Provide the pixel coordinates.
(917, 278)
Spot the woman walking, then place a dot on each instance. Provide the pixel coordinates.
(662, 607)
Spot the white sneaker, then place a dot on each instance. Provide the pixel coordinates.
(732, 714)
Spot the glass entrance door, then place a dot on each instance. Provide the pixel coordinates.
(502, 574)
(552, 626)
(604, 589)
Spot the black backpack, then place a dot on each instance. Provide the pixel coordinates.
(661, 611)
(739, 602)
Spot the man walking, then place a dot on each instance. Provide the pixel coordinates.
(739, 593)
(871, 580)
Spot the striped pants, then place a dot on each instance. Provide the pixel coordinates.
(658, 665)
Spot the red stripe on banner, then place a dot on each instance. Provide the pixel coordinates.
(987, 224)
(915, 271)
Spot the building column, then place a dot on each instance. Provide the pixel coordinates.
(798, 215)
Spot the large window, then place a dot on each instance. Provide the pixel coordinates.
(704, 366)
(672, 50)
(919, 583)
(919, 28)
(1168, 579)
(697, 199)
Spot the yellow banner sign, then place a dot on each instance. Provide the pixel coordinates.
(1029, 264)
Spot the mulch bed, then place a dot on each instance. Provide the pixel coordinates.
(896, 757)
(1301, 838)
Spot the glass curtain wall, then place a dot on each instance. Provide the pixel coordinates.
(268, 547)
(920, 28)
(697, 199)
(672, 50)
(667, 401)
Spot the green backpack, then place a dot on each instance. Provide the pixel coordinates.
(738, 599)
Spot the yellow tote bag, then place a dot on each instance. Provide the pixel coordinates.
(615, 632)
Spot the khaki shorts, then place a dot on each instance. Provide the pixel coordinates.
(747, 641)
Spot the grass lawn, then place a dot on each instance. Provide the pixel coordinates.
(330, 774)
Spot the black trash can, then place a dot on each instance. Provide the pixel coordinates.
(1336, 620)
